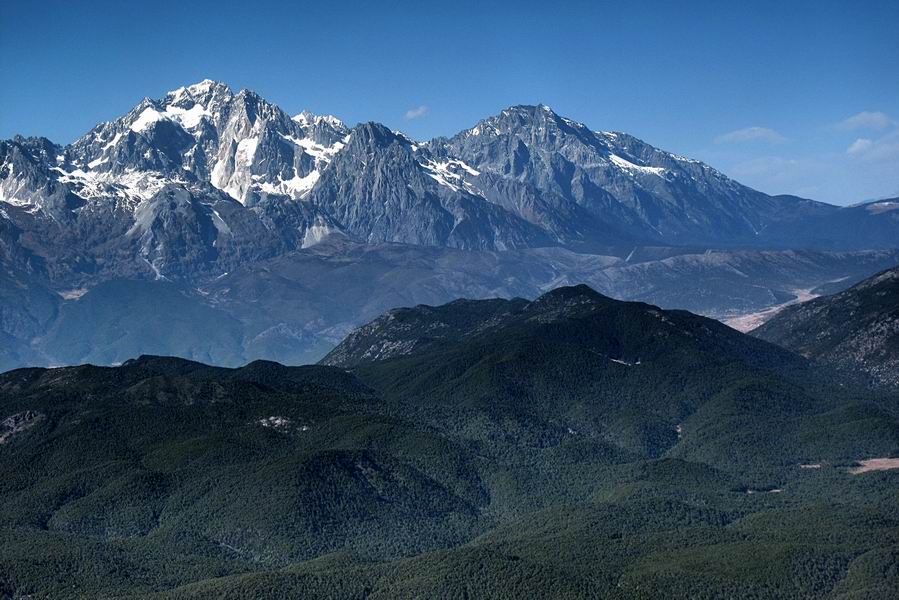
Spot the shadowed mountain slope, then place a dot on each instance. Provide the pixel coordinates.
(855, 330)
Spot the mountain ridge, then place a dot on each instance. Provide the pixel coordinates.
(856, 330)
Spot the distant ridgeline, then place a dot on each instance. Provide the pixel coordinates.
(573, 446)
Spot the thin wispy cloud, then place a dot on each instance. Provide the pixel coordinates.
(751, 134)
(859, 146)
(417, 113)
(871, 120)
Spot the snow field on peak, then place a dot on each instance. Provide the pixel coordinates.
(446, 173)
(634, 168)
(186, 118)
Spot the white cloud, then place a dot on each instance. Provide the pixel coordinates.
(882, 149)
(874, 120)
(859, 146)
(750, 134)
(417, 113)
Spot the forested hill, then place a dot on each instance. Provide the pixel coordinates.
(856, 330)
(570, 447)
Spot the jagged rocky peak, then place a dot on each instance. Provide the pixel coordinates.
(618, 180)
(533, 131)
(326, 123)
(520, 117)
(155, 183)
(384, 186)
(540, 123)
(209, 94)
(188, 106)
(376, 134)
(27, 176)
(240, 143)
(535, 126)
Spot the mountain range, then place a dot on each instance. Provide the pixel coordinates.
(204, 191)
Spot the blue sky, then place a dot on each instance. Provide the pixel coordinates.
(788, 97)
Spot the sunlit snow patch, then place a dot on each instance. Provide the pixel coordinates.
(633, 168)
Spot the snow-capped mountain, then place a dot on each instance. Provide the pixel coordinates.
(197, 181)
(203, 180)
(550, 169)
(240, 143)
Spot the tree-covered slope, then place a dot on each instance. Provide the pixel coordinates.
(576, 365)
(571, 447)
(854, 330)
(216, 470)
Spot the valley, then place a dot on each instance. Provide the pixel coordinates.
(746, 323)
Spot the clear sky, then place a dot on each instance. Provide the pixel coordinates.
(787, 96)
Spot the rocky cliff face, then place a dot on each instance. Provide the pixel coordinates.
(239, 143)
(601, 186)
(384, 187)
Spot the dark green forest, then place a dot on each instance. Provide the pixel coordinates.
(570, 447)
